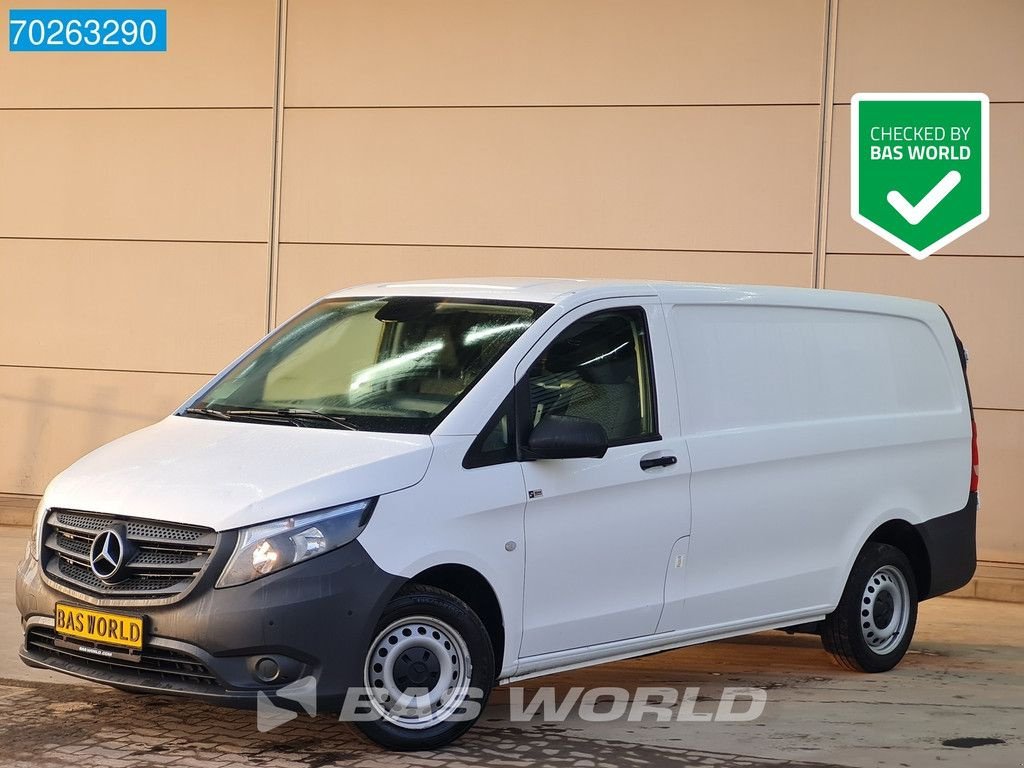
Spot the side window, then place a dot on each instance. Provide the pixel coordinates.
(496, 443)
(599, 368)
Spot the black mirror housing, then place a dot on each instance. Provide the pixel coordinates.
(566, 437)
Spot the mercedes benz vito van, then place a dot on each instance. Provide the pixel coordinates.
(418, 491)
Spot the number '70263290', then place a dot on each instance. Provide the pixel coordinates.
(84, 30)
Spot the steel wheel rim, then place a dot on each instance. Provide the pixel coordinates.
(885, 610)
(399, 672)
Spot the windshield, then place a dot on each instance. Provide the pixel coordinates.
(380, 364)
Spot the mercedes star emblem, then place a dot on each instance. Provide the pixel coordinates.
(107, 554)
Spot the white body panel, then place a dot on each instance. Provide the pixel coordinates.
(440, 522)
(801, 421)
(228, 475)
(807, 428)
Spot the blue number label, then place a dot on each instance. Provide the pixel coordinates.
(87, 30)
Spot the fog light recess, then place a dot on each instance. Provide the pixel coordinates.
(267, 670)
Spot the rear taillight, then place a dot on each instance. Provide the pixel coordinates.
(974, 456)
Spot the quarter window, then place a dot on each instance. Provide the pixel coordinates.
(495, 444)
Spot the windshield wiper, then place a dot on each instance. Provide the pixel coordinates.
(290, 414)
(209, 413)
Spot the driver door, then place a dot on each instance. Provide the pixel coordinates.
(600, 532)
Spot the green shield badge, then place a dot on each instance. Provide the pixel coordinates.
(919, 167)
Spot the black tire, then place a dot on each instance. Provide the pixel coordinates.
(852, 629)
(450, 613)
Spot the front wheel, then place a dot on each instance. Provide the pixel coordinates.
(871, 628)
(428, 670)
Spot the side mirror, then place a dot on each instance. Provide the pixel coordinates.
(566, 437)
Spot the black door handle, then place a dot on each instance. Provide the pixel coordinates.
(661, 461)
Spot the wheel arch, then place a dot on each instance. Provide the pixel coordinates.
(905, 537)
(471, 586)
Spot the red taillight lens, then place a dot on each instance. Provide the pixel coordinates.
(974, 456)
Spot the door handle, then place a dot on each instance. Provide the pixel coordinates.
(661, 461)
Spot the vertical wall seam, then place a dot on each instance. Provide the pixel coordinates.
(825, 142)
(274, 235)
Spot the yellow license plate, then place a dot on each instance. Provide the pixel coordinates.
(98, 626)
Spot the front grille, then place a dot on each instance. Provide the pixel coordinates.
(165, 558)
(154, 666)
(83, 576)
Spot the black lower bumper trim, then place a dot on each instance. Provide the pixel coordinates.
(951, 544)
(155, 667)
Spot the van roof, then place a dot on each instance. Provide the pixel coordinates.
(541, 289)
(555, 290)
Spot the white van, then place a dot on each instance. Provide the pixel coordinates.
(420, 490)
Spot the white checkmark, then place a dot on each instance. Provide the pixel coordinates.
(915, 213)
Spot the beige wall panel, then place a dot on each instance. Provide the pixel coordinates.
(465, 52)
(219, 54)
(1002, 234)
(688, 178)
(1001, 452)
(983, 296)
(146, 174)
(310, 271)
(188, 307)
(52, 417)
(930, 45)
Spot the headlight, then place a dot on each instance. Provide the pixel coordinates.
(269, 547)
(32, 547)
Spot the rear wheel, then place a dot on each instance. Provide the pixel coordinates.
(425, 670)
(871, 628)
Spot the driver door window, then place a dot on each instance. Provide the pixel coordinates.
(598, 369)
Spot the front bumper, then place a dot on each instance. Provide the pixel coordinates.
(314, 618)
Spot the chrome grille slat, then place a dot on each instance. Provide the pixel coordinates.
(83, 576)
(140, 531)
(155, 561)
(165, 560)
(83, 523)
(72, 548)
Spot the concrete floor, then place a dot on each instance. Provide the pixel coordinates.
(962, 680)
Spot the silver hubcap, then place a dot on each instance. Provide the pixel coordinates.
(417, 672)
(885, 610)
